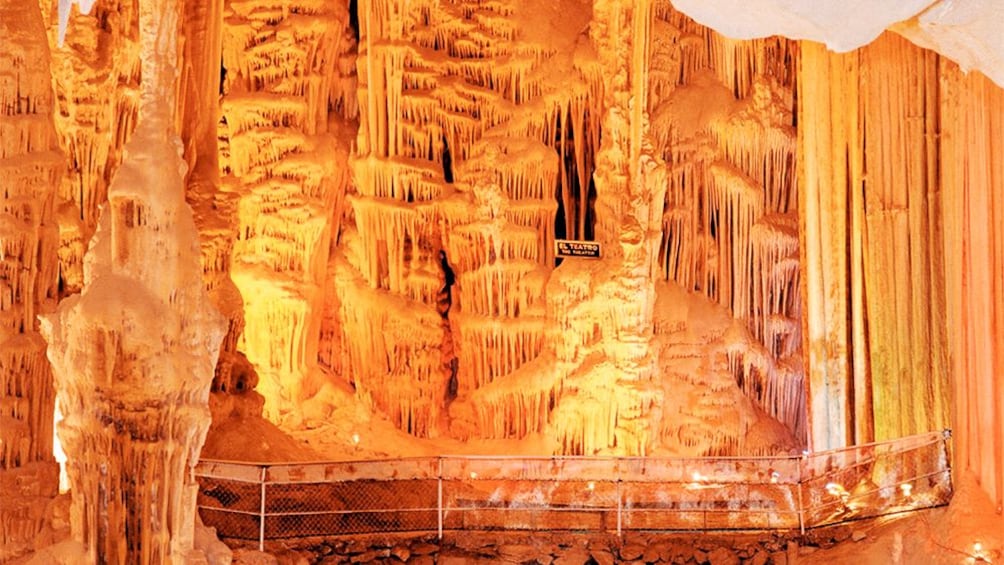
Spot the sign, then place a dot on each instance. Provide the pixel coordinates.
(572, 248)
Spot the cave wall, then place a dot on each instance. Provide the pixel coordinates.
(973, 230)
(31, 166)
(464, 152)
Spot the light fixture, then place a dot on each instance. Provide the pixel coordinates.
(838, 490)
(591, 486)
(906, 489)
(978, 555)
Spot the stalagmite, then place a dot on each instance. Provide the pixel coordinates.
(134, 393)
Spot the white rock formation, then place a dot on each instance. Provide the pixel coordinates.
(134, 353)
(966, 32)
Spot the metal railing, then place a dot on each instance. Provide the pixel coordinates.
(591, 494)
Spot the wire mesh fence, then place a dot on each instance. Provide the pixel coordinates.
(876, 479)
(588, 494)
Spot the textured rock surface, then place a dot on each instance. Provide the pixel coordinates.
(134, 353)
(30, 168)
(799, 248)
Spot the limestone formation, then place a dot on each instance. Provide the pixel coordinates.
(133, 354)
(31, 165)
(797, 249)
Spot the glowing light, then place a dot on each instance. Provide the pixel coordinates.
(474, 475)
(58, 453)
(698, 477)
(355, 439)
(835, 489)
(978, 555)
(774, 477)
(591, 486)
(906, 488)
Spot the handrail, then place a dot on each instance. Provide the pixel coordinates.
(787, 490)
(935, 437)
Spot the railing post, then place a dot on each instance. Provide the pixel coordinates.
(801, 501)
(620, 504)
(261, 527)
(439, 498)
(946, 435)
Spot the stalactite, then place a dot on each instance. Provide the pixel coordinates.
(280, 62)
(776, 308)
(398, 368)
(30, 169)
(830, 174)
(96, 102)
(518, 404)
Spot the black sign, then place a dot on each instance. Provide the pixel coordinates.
(570, 248)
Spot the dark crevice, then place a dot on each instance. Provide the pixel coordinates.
(447, 163)
(444, 303)
(354, 18)
(223, 77)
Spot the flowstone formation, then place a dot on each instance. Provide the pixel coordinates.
(95, 78)
(444, 256)
(282, 163)
(134, 353)
(481, 140)
(722, 118)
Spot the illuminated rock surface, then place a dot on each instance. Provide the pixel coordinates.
(133, 354)
(30, 168)
(799, 248)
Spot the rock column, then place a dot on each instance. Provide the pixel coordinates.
(134, 354)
